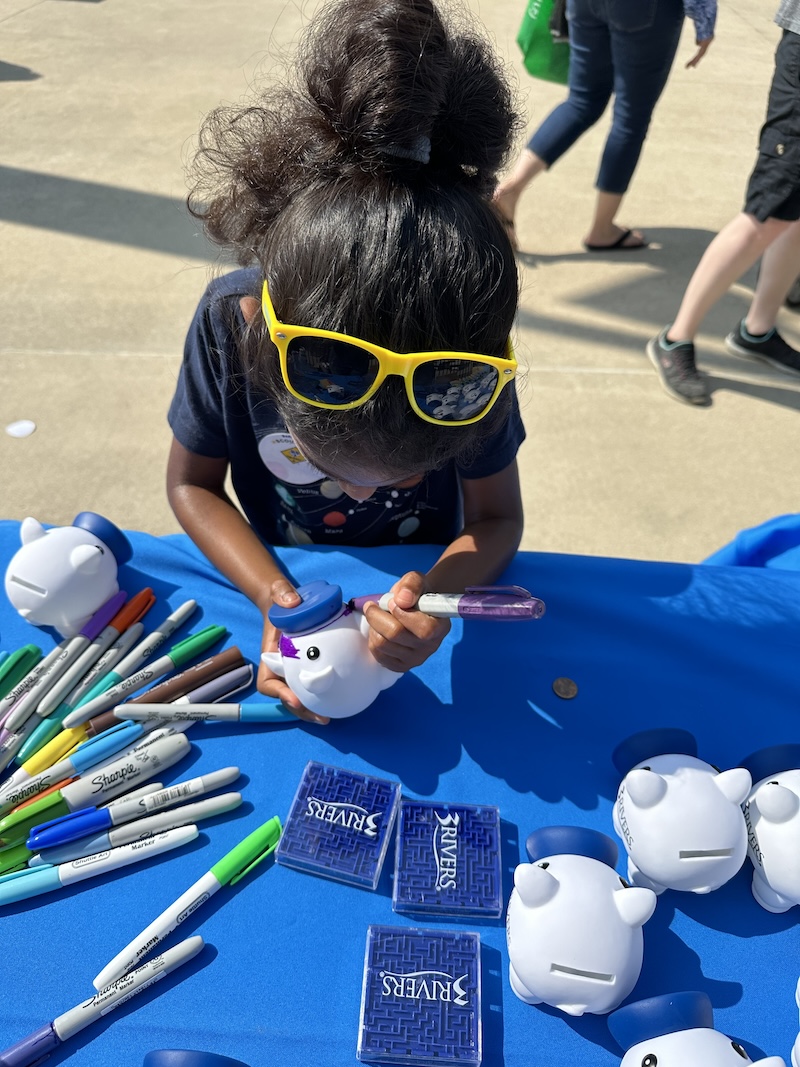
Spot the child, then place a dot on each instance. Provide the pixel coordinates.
(359, 202)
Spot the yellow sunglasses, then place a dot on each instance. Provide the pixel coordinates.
(334, 370)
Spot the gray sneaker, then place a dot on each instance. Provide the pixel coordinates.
(771, 348)
(676, 368)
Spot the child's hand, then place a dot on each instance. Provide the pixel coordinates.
(282, 592)
(402, 638)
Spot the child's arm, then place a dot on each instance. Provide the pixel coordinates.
(493, 523)
(196, 493)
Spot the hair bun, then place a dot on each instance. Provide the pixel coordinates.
(397, 85)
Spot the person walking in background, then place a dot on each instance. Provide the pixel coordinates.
(624, 47)
(767, 226)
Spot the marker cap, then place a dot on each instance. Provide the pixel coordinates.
(195, 644)
(248, 853)
(28, 883)
(68, 827)
(267, 712)
(32, 1049)
(17, 665)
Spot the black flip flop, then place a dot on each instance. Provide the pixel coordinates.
(618, 246)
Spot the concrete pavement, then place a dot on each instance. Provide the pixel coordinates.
(101, 268)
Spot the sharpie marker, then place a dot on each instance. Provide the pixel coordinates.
(42, 1042)
(126, 616)
(11, 743)
(18, 672)
(22, 786)
(70, 652)
(142, 652)
(139, 830)
(47, 728)
(255, 712)
(91, 821)
(103, 783)
(228, 871)
(502, 602)
(177, 656)
(223, 686)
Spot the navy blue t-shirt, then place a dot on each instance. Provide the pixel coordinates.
(217, 412)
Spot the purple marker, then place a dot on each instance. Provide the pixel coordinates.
(28, 703)
(505, 603)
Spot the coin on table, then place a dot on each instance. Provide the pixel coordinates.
(565, 688)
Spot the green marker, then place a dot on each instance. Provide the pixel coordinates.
(14, 669)
(177, 657)
(228, 871)
(14, 858)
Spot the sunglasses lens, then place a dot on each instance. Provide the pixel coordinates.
(328, 371)
(451, 390)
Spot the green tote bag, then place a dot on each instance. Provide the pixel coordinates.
(544, 56)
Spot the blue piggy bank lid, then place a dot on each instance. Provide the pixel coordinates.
(105, 530)
(769, 761)
(321, 602)
(645, 1020)
(571, 841)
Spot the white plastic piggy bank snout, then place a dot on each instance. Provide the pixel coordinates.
(324, 653)
(681, 821)
(60, 577)
(676, 1030)
(772, 815)
(574, 928)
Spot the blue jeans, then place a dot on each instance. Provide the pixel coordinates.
(624, 47)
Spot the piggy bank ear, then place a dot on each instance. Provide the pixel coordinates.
(645, 788)
(635, 905)
(775, 802)
(735, 785)
(274, 660)
(535, 884)
(363, 625)
(86, 559)
(31, 530)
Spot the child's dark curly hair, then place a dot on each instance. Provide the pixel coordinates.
(324, 184)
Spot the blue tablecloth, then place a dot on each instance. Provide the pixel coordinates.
(713, 649)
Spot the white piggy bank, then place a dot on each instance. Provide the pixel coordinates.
(324, 655)
(772, 816)
(679, 818)
(61, 576)
(677, 1030)
(574, 927)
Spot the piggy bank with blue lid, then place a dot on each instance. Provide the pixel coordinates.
(574, 927)
(324, 653)
(679, 818)
(772, 816)
(61, 576)
(677, 1030)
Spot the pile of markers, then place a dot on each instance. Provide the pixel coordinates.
(78, 774)
(77, 795)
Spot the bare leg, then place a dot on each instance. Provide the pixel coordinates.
(604, 231)
(780, 266)
(512, 187)
(733, 251)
